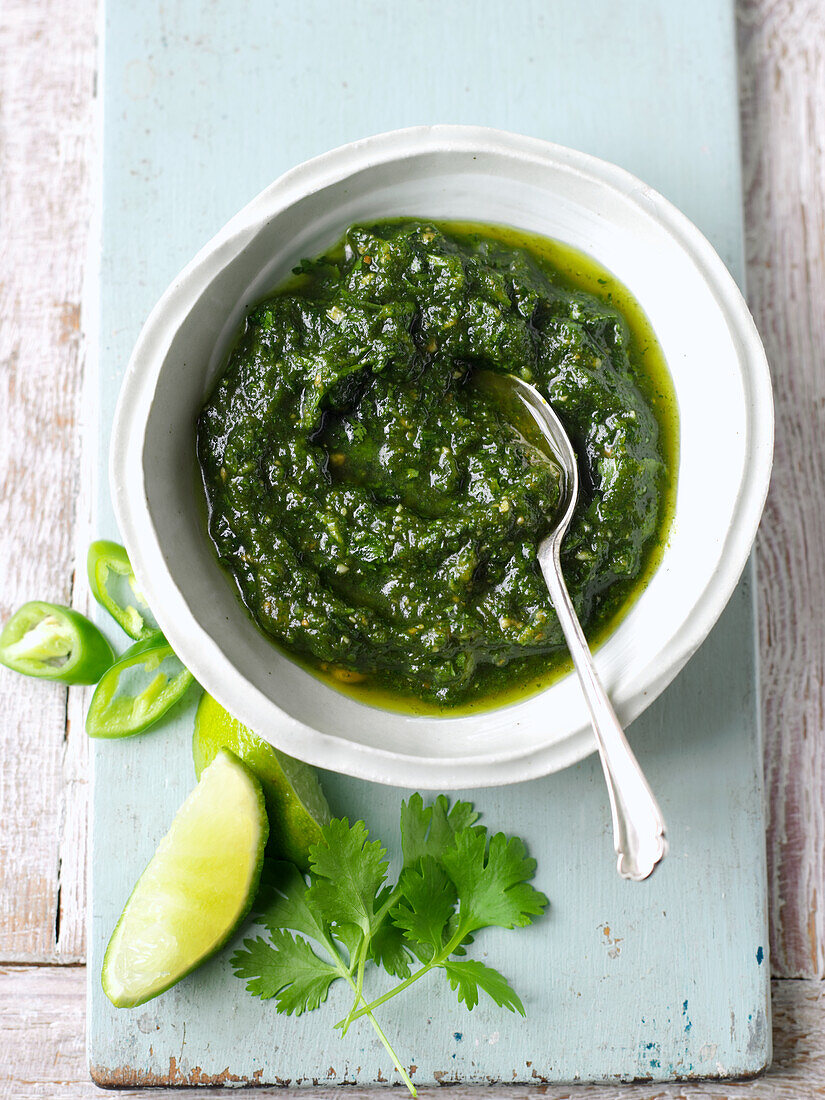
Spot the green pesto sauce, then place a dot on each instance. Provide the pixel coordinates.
(380, 512)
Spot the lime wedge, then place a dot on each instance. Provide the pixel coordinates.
(198, 886)
(295, 802)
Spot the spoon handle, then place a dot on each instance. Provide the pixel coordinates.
(638, 826)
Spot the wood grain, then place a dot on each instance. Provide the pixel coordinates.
(782, 65)
(42, 1050)
(47, 52)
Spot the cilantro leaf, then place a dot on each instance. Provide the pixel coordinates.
(287, 969)
(492, 881)
(455, 880)
(351, 936)
(469, 976)
(348, 871)
(282, 901)
(388, 949)
(430, 830)
(450, 931)
(427, 904)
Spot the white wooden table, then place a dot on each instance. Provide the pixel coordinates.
(47, 172)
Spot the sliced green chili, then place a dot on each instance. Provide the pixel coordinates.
(54, 642)
(137, 690)
(113, 585)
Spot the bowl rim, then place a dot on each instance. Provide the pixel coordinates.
(131, 510)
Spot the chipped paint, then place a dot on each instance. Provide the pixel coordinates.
(652, 1055)
(612, 941)
(757, 1028)
(122, 1077)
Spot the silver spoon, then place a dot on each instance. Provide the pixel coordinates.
(638, 826)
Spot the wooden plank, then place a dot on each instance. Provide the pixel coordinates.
(46, 71)
(782, 49)
(685, 994)
(42, 1013)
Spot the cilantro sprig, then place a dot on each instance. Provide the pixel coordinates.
(456, 879)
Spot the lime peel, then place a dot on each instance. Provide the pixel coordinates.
(295, 803)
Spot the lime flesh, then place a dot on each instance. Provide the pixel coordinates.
(295, 802)
(198, 886)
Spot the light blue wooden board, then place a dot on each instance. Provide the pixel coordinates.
(204, 104)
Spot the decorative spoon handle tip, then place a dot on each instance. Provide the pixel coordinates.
(639, 833)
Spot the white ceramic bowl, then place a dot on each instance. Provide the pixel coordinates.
(722, 385)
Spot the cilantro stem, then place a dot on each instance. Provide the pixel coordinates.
(378, 920)
(367, 1011)
(385, 908)
(359, 996)
(437, 960)
(405, 984)
(388, 1047)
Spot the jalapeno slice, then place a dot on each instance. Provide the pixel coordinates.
(53, 642)
(113, 584)
(137, 690)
